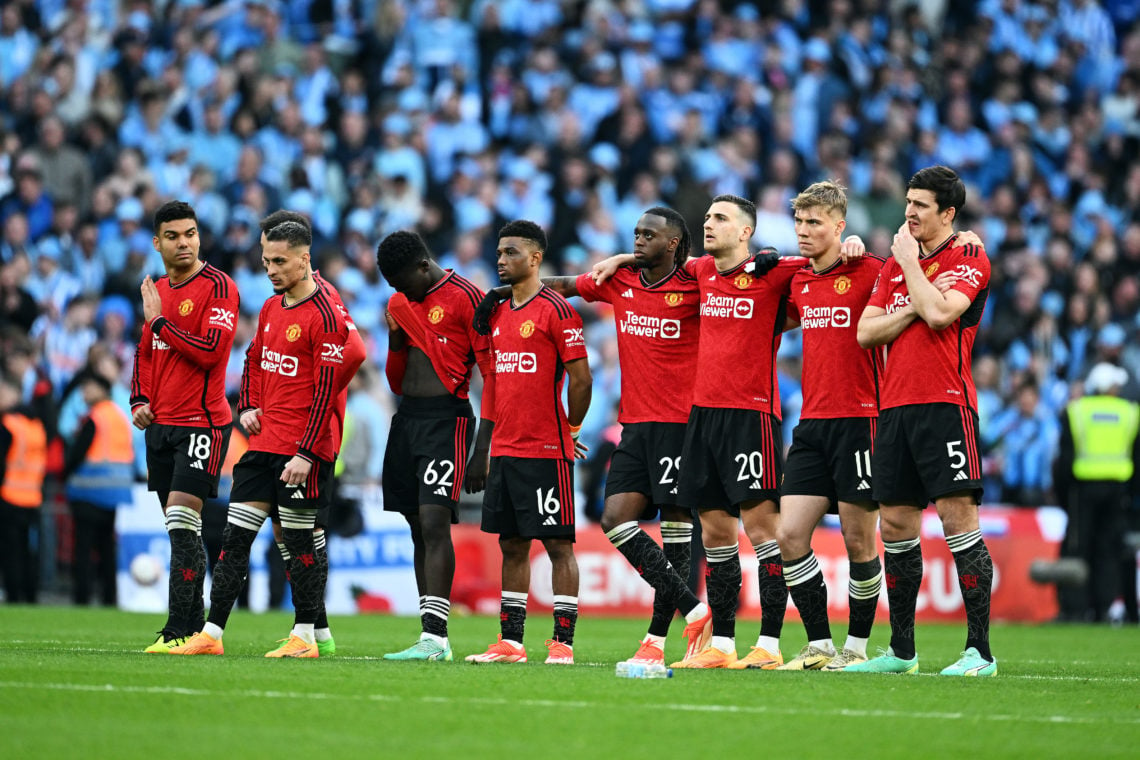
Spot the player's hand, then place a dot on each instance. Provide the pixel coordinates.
(142, 416)
(969, 237)
(397, 338)
(852, 248)
(607, 268)
(904, 247)
(580, 448)
(250, 420)
(152, 301)
(296, 471)
(765, 260)
(945, 281)
(484, 311)
(477, 468)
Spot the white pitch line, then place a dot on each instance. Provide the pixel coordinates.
(581, 704)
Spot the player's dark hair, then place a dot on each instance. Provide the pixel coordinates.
(676, 222)
(399, 251)
(948, 188)
(284, 215)
(172, 210)
(747, 207)
(297, 235)
(525, 229)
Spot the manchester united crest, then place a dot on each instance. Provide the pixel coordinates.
(435, 316)
(931, 270)
(292, 332)
(743, 280)
(186, 307)
(842, 284)
(674, 299)
(526, 329)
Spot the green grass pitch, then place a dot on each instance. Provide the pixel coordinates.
(75, 684)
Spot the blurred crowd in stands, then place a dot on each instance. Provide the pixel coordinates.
(453, 117)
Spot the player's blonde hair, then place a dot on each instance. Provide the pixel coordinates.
(831, 195)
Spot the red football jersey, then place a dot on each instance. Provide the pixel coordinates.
(291, 371)
(531, 343)
(839, 378)
(446, 316)
(354, 355)
(180, 364)
(927, 366)
(657, 331)
(742, 318)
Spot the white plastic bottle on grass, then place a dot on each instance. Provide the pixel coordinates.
(642, 670)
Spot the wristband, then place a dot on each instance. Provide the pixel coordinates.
(575, 430)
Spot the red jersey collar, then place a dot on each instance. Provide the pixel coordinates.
(442, 281)
(945, 244)
(659, 283)
(189, 279)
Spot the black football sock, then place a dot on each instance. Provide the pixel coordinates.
(722, 582)
(809, 592)
(904, 577)
(242, 524)
(186, 611)
(651, 563)
(512, 615)
(773, 589)
(565, 618)
(975, 578)
(863, 589)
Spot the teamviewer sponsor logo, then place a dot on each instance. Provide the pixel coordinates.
(515, 361)
(825, 316)
(650, 327)
(899, 301)
(282, 364)
(726, 307)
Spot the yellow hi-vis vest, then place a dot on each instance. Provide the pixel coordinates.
(1104, 431)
